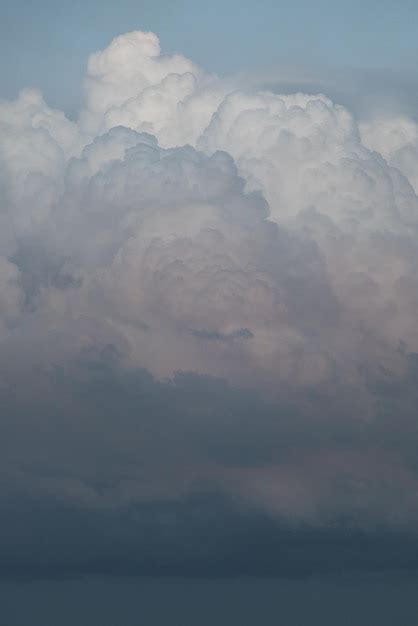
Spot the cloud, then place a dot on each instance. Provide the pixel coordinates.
(396, 139)
(132, 84)
(208, 295)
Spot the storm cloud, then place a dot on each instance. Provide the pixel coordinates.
(209, 345)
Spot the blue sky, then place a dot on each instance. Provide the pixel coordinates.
(46, 43)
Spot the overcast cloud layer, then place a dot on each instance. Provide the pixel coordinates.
(209, 344)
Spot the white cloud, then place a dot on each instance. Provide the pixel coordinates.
(396, 139)
(179, 242)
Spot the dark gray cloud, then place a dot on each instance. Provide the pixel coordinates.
(113, 472)
(359, 599)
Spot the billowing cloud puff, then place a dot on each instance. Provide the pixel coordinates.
(205, 293)
(132, 84)
(396, 139)
(305, 152)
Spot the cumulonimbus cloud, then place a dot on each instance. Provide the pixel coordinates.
(259, 242)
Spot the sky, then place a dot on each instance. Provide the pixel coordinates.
(46, 44)
(208, 297)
